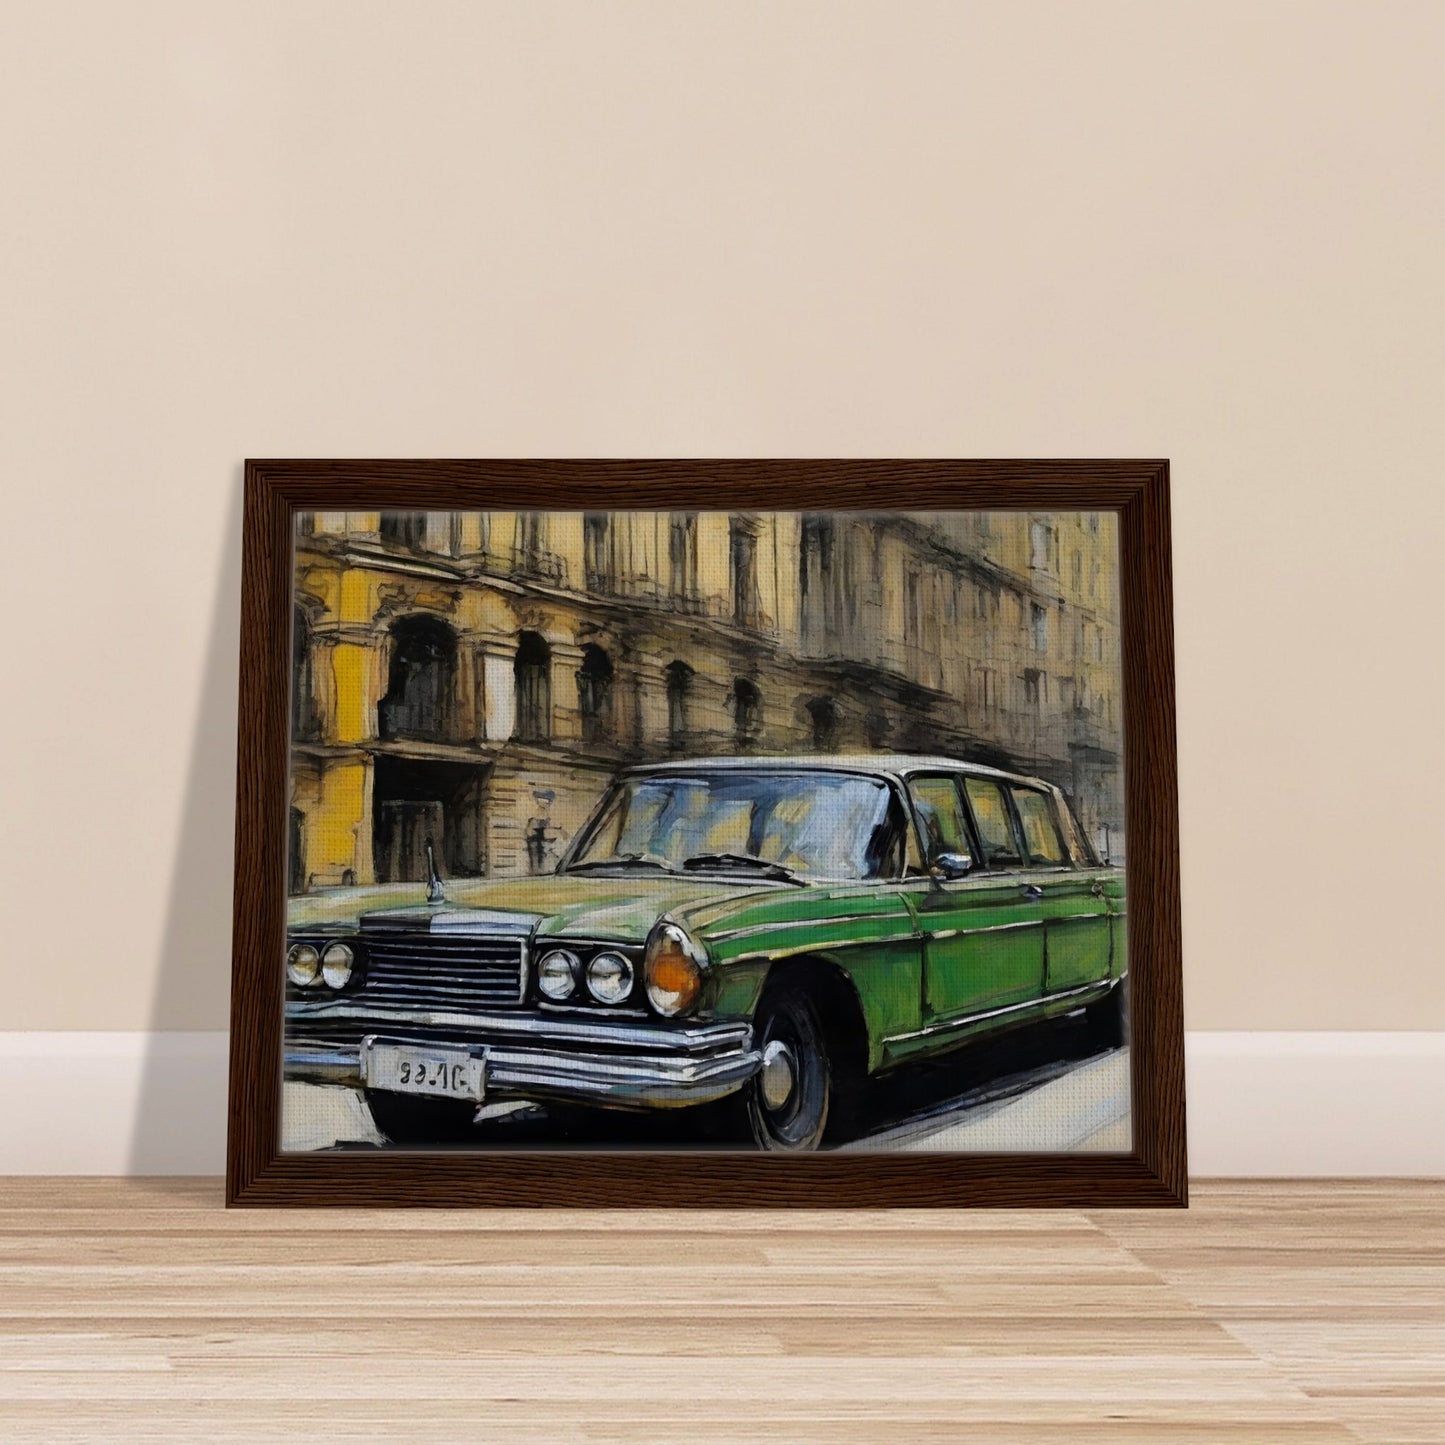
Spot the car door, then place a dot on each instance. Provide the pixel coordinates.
(983, 940)
(1075, 911)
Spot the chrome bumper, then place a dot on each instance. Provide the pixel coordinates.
(622, 1064)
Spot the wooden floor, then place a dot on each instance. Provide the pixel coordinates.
(1267, 1312)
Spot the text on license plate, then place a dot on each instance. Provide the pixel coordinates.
(450, 1073)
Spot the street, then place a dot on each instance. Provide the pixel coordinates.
(1041, 1088)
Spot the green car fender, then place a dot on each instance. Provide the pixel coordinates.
(867, 937)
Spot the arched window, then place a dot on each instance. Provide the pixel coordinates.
(421, 681)
(747, 711)
(594, 693)
(679, 684)
(533, 672)
(826, 720)
(303, 694)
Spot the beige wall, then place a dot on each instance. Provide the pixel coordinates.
(1209, 232)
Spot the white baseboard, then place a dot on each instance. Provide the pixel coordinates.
(1276, 1104)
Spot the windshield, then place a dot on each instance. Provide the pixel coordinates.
(772, 824)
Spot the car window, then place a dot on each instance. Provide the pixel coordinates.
(995, 827)
(1041, 835)
(940, 816)
(826, 825)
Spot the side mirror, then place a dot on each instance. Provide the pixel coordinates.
(945, 867)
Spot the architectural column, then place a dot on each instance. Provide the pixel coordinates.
(338, 825)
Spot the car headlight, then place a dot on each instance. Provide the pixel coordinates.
(336, 965)
(302, 965)
(557, 974)
(672, 970)
(609, 978)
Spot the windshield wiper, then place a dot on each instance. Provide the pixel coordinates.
(623, 860)
(764, 867)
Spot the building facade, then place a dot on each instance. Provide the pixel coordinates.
(473, 678)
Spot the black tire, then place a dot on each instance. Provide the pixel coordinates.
(1108, 1019)
(794, 1122)
(413, 1122)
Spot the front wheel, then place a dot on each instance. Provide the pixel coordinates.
(786, 1102)
(417, 1122)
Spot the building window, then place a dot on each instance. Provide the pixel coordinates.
(1039, 626)
(597, 552)
(420, 680)
(532, 669)
(1035, 687)
(826, 721)
(403, 529)
(682, 555)
(878, 727)
(742, 555)
(747, 710)
(679, 685)
(913, 608)
(303, 694)
(816, 546)
(1041, 546)
(296, 854)
(987, 689)
(815, 554)
(531, 540)
(594, 694)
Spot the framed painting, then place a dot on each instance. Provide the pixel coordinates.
(706, 833)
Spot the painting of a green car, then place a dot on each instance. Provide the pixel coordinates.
(756, 939)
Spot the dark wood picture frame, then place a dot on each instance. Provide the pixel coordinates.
(1154, 1173)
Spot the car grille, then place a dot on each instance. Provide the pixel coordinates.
(427, 970)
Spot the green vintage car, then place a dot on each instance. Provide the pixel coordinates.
(763, 931)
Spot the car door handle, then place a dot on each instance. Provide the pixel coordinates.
(1032, 890)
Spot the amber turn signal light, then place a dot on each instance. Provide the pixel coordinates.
(673, 970)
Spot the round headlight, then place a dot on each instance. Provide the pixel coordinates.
(557, 974)
(302, 963)
(336, 965)
(609, 978)
(672, 970)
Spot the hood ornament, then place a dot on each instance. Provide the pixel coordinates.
(435, 893)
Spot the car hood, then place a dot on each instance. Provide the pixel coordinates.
(611, 908)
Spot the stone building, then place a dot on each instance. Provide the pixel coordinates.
(473, 678)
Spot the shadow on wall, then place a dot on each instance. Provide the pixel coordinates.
(183, 1077)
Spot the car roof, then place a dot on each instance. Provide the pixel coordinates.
(895, 764)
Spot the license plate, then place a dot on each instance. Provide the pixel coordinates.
(405, 1069)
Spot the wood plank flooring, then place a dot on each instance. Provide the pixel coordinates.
(141, 1310)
